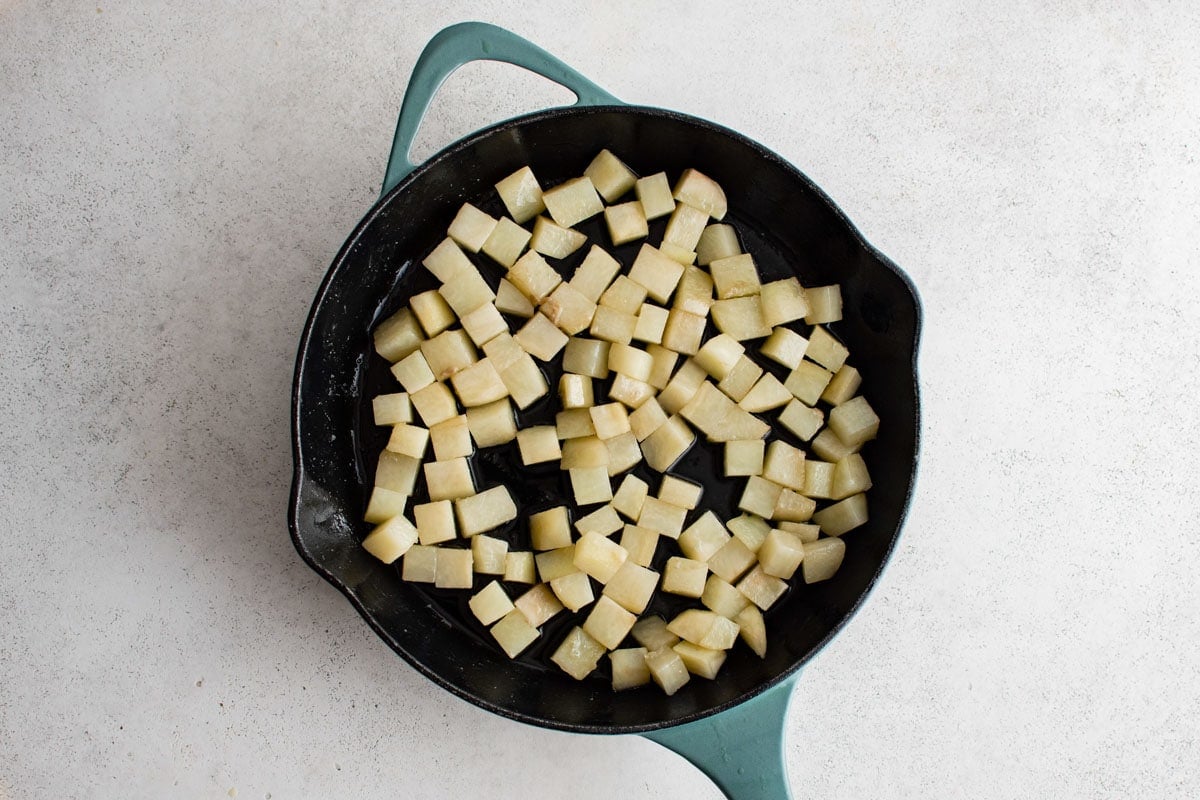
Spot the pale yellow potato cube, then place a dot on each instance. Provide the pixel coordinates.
(595, 273)
(651, 324)
(678, 492)
(398, 335)
(432, 312)
(684, 227)
(721, 597)
(624, 295)
(854, 421)
(664, 365)
(484, 323)
(702, 192)
(413, 372)
(504, 246)
(785, 465)
(732, 560)
(397, 472)
(818, 479)
(759, 496)
(704, 537)
(603, 521)
(719, 355)
(646, 419)
(590, 485)
(448, 352)
(842, 386)
(575, 391)
(489, 556)
(676, 253)
(521, 194)
(744, 457)
(510, 300)
(449, 480)
(471, 228)
(612, 325)
(684, 576)
(539, 605)
(519, 567)
(610, 176)
(538, 444)
(608, 623)
(828, 446)
(391, 539)
(609, 420)
(719, 418)
(807, 381)
(598, 556)
(552, 239)
(384, 504)
(533, 276)
(578, 655)
(654, 193)
(736, 276)
(761, 589)
(651, 633)
(630, 496)
(783, 301)
(663, 448)
(569, 309)
(447, 261)
(454, 569)
(466, 292)
(793, 507)
(716, 242)
(435, 522)
(624, 453)
(640, 543)
(822, 559)
(626, 222)
(391, 409)
(492, 424)
(629, 360)
(662, 517)
(574, 590)
(784, 346)
(572, 202)
(434, 403)
(409, 440)
(695, 292)
(541, 338)
(752, 629)
(850, 476)
(826, 350)
(586, 357)
(631, 392)
(420, 564)
(751, 529)
(574, 423)
(684, 331)
(556, 563)
(667, 669)
(657, 273)
(705, 628)
(843, 516)
(740, 380)
(525, 382)
(740, 317)
(629, 668)
(583, 452)
(700, 660)
(514, 634)
(824, 304)
(781, 554)
(550, 529)
(802, 420)
(490, 603)
(478, 384)
(503, 350)
(805, 531)
(485, 511)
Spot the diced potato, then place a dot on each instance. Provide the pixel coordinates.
(657, 273)
(575, 391)
(766, 395)
(722, 597)
(716, 242)
(574, 423)
(413, 372)
(603, 521)
(397, 472)
(584, 451)
(740, 317)
(682, 387)
(646, 419)
(610, 176)
(447, 261)
(828, 446)
(398, 335)
(781, 554)
(760, 588)
(843, 516)
(783, 301)
(842, 386)
(752, 629)
(420, 564)
(818, 479)
(684, 576)
(503, 350)
(651, 323)
(807, 381)
(572, 202)
(702, 192)
(484, 323)
(510, 300)
(525, 382)
(822, 559)
(802, 420)
(826, 350)
(550, 529)
(700, 660)
(610, 419)
(432, 312)
(534, 277)
(578, 655)
(608, 623)
(612, 325)
(685, 226)
(703, 538)
(586, 357)
(454, 569)
(505, 245)
(740, 380)
(759, 496)
(629, 360)
(732, 560)
(684, 331)
(492, 424)
(466, 292)
(805, 531)
(793, 506)
(552, 239)
(651, 632)
(623, 453)
(409, 440)
(661, 517)
(514, 634)
(574, 590)
(705, 628)
(449, 480)
(489, 509)
(664, 365)
(590, 485)
(471, 228)
(489, 556)
(557, 563)
(519, 567)
(598, 556)
(744, 457)
(624, 295)
(541, 338)
(478, 384)
(784, 465)
(667, 669)
(676, 253)
(595, 273)
(448, 352)
(521, 195)
(678, 492)
(854, 421)
(640, 543)
(435, 403)
(695, 292)
(663, 448)
(752, 530)
(850, 476)
(654, 193)
(719, 355)
(384, 504)
(539, 605)
(629, 668)
(824, 304)
(626, 222)
(435, 522)
(719, 418)
(391, 539)
(538, 444)
(569, 309)
(630, 392)
(736, 276)
(391, 409)
(784, 346)
(490, 603)
(630, 496)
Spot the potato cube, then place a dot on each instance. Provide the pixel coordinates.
(556, 563)
(629, 668)
(784, 465)
(793, 506)
(740, 380)
(435, 522)
(595, 273)
(740, 317)
(676, 253)
(684, 331)
(850, 476)
(744, 457)
(432, 312)
(449, 480)
(719, 355)
(822, 559)
(700, 660)
(626, 222)
(630, 496)
(700, 191)
(391, 539)
(575, 391)
(583, 452)
(663, 448)
(654, 193)
(539, 605)
(538, 444)
(662, 517)
(569, 309)
(489, 509)
(552, 239)
(590, 485)
(525, 382)
(490, 603)
(534, 277)
(646, 419)
(716, 242)
(826, 350)
(578, 654)
(598, 556)
(629, 360)
(854, 421)
(705, 628)
(466, 292)
(781, 554)
(651, 632)
(651, 323)
(550, 529)
(640, 543)
(603, 521)
(420, 564)
(684, 227)
(802, 420)
(719, 418)
(492, 424)
(784, 346)
(752, 629)
(398, 335)
(608, 623)
(540, 338)
(783, 301)
(667, 669)
(484, 323)
(514, 634)
(732, 560)
(760, 588)
(471, 228)
(574, 423)
(521, 194)
(678, 492)
(804, 531)
(586, 357)
(684, 576)
(695, 292)
(750, 529)
(610, 176)
(447, 261)
(828, 446)
(391, 409)
(807, 381)
(503, 350)
(505, 245)
(454, 569)
(397, 472)
(448, 352)
(384, 504)
(843, 516)
(519, 567)
(623, 453)
(824, 304)
(842, 386)
(818, 479)
(409, 440)
(721, 597)
(624, 295)
(612, 325)
(759, 496)
(630, 392)
(574, 590)
(413, 372)
(703, 538)
(656, 272)
(489, 556)
(663, 367)
(478, 384)
(736, 276)
(510, 300)
(610, 420)
(572, 202)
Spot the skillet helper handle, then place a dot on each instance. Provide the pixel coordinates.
(461, 44)
(741, 749)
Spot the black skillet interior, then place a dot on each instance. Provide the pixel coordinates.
(789, 226)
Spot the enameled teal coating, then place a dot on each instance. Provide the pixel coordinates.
(461, 44)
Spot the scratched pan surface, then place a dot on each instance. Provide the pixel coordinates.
(789, 226)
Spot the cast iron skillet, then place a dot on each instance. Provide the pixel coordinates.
(730, 727)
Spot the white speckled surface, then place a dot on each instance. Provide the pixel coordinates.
(174, 179)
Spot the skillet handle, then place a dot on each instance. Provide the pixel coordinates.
(741, 749)
(461, 44)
